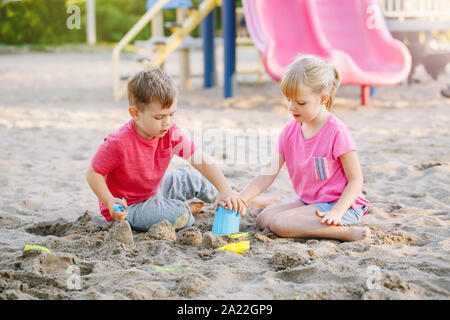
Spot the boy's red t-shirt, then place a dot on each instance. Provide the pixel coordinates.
(133, 166)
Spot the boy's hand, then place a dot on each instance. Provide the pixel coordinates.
(231, 200)
(330, 217)
(117, 215)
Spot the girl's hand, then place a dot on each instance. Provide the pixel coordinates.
(330, 217)
(231, 200)
(117, 215)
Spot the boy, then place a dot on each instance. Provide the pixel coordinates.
(131, 163)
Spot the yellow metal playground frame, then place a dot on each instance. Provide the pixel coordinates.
(174, 41)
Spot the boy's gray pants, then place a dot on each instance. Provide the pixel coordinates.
(170, 203)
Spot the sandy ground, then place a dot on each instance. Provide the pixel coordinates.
(55, 110)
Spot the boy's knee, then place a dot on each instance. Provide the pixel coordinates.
(190, 173)
(184, 171)
(184, 221)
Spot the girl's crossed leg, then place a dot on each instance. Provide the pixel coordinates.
(268, 214)
(296, 220)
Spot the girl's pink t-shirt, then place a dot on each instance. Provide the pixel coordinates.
(133, 166)
(313, 164)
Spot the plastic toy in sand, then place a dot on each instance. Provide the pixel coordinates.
(239, 235)
(118, 207)
(28, 247)
(237, 247)
(172, 269)
(225, 221)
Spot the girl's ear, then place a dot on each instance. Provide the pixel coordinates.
(324, 98)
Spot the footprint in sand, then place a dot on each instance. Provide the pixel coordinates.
(298, 275)
(431, 222)
(42, 262)
(62, 228)
(283, 260)
(389, 237)
(395, 282)
(192, 286)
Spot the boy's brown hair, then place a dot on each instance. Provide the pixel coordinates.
(152, 84)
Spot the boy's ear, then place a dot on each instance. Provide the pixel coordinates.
(134, 113)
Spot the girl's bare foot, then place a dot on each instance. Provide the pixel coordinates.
(196, 207)
(358, 233)
(261, 202)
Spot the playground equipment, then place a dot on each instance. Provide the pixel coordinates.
(352, 34)
(418, 15)
(157, 39)
(243, 39)
(407, 19)
(203, 14)
(195, 16)
(91, 36)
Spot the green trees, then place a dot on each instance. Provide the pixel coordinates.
(44, 21)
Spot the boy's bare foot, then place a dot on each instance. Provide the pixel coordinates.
(358, 233)
(196, 207)
(261, 202)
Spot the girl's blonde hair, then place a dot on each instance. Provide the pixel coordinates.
(313, 72)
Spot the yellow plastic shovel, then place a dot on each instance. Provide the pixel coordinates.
(237, 247)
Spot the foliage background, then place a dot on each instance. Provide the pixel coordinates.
(44, 21)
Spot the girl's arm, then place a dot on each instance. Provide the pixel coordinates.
(352, 170)
(210, 171)
(260, 184)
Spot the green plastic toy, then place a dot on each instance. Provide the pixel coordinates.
(28, 247)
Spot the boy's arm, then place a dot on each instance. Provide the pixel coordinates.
(260, 184)
(210, 171)
(98, 184)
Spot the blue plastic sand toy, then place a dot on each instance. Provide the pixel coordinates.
(225, 221)
(119, 207)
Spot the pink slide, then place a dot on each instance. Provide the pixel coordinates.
(352, 34)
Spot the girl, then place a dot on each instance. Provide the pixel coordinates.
(321, 159)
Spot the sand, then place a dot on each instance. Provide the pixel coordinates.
(55, 110)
